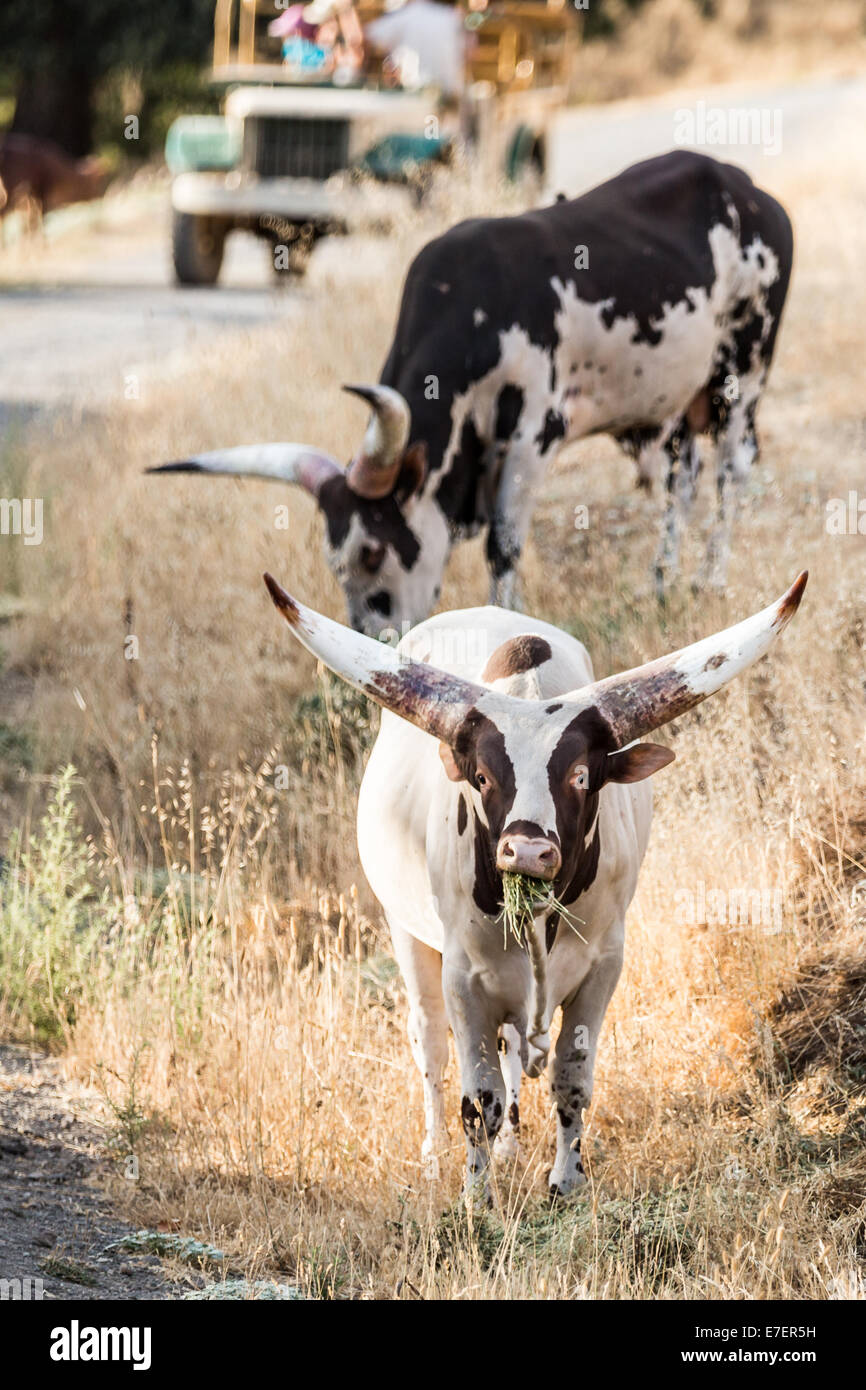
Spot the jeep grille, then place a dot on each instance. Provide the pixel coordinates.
(292, 147)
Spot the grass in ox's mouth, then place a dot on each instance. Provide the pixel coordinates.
(523, 897)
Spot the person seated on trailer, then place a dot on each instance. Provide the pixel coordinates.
(426, 44)
(320, 40)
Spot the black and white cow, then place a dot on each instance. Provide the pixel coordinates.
(499, 751)
(646, 309)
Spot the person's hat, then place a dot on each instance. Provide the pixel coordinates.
(320, 11)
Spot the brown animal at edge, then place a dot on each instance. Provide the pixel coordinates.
(38, 175)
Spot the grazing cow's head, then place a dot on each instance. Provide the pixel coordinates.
(533, 768)
(388, 573)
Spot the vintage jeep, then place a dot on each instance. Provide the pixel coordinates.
(279, 163)
(285, 159)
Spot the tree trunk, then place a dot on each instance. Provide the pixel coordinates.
(56, 103)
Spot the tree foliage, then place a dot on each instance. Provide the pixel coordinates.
(56, 54)
(98, 35)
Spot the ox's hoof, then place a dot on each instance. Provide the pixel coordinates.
(563, 1188)
(476, 1193)
(506, 1145)
(431, 1150)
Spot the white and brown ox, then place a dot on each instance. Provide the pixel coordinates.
(499, 751)
(647, 309)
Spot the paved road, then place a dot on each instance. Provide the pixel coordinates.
(795, 124)
(81, 314)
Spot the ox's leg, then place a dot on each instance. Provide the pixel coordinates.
(737, 451)
(421, 968)
(521, 477)
(680, 467)
(573, 1065)
(482, 1102)
(687, 478)
(508, 1138)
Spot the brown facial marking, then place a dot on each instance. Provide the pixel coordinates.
(551, 926)
(587, 861)
(586, 739)
(514, 1115)
(283, 601)
(479, 743)
(413, 472)
(461, 815)
(487, 888)
(518, 654)
(381, 520)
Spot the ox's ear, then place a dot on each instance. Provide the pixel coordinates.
(635, 763)
(449, 762)
(413, 472)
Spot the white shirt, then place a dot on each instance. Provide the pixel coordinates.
(427, 41)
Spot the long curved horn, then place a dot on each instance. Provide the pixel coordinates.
(374, 471)
(434, 700)
(284, 463)
(635, 702)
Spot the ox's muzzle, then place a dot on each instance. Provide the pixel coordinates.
(525, 854)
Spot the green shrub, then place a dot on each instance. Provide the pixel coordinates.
(49, 920)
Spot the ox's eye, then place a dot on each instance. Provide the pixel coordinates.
(372, 557)
(580, 777)
(481, 781)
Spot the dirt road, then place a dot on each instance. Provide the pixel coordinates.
(55, 1225)
(81, 315)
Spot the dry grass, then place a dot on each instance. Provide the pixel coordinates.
(663, 42)
(246, 1021)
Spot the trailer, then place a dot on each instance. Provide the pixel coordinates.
(291, 156)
